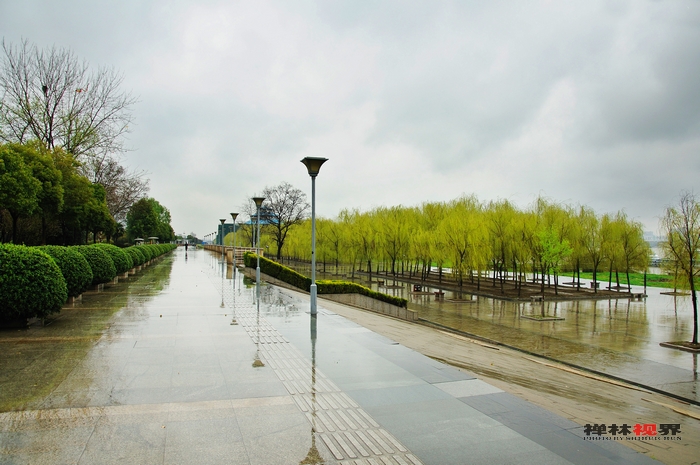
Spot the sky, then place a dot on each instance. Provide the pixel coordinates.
(592, 103)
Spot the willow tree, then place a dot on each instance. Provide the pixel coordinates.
(555, 250)
(681, 225)
(500, 217)
(466, 237)
(393, 225)
(593, 240)
(635, 250)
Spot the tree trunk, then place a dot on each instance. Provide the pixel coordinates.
(14, 217)
(694, 299)
(595, 276)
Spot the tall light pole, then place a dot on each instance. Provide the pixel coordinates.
(258, 203)
(234, 216)
(223, 257)
(313, 165)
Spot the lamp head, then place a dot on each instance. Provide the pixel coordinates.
(234, 215)
(313, 165)
(222, 221)
(258, 201)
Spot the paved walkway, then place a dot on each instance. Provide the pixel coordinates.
(201, 371)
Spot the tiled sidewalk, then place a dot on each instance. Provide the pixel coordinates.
(174, 380)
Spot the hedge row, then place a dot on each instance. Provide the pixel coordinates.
(74, 267)
(31, 283)
(300, 281)
(37, 281)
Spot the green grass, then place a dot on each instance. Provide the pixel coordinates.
(636, 279)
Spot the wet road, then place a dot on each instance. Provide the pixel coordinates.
(616, 337)
(154, 371)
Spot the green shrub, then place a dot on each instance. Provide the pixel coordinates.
(346, 287)
(122, 260)
(136, 255)
(155, 250)
(31, 284)
(300, 281)
(101, 264)
(146, 251)
(74, 268)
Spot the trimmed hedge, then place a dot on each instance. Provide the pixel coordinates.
(31, 283)
(147, 251)
(151, 251)
(136, 255)
(74, 268)
(122, 260)
(101, 264)
(300, 281)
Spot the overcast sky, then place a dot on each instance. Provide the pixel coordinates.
(589, 102)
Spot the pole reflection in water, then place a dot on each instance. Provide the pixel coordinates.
(313, 457)
(233, 310)
(222, 285)
(257, 363)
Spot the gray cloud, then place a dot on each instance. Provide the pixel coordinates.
(590, 102)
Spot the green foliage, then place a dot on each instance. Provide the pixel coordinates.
(147, 251)
(346, 287)
(101, 264)
(74, 267)
(19, 189)
(96, 214)
(148, 218)
(554, 249)
(300, 281)
(151, 251)
(31, 284)
(137, 257)
(122, 260)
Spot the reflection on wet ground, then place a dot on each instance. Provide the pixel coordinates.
(37, 360)
(618, 337)
(187, 363)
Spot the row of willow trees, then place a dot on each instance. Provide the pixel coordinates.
(472, 239)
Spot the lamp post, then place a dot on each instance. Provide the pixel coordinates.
(234, 215)
(258, 203)
(313, 165)
(221, 234)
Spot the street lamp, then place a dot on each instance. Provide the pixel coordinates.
(258, 203)
(223, 258)
(313, 165)
(234, 215)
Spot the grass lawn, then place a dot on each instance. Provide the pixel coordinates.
(636, 279)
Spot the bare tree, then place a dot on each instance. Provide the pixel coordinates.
(681, 224)
(122, 186)
(51, 96)
(285, 206)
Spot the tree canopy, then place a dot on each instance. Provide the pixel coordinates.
(148, 218)
(470, 238)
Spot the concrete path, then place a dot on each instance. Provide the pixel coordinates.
(192, 367)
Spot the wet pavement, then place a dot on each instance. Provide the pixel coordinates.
(184, 363)
(615, 337)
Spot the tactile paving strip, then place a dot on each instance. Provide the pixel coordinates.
(349, 433)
